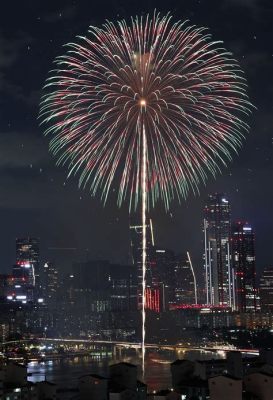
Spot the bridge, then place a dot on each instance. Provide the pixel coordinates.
(133, 345)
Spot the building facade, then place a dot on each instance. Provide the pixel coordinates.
(243, 260)
(26, 270)
(136, 235)
(266, 289)
(219, 274)
(185, 288)
(50, 284)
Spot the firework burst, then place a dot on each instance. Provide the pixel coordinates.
(151, 108)
(170, 79)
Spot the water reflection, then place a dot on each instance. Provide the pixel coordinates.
(66, 372)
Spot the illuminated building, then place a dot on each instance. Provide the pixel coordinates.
(90, 289)
(168, 278)
(49, 283)
(5, 284)
(219, 274)
(243, 258)
(266, 290)
(185, 282)
(253, 320)
(100, 286)
(123, 288)
(153, 299)
(4, 331)
(22, 288)
(136, 250)
(26, 270)
(164, 262)
(100, 298)
(173, 280)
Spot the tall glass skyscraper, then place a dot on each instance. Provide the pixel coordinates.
(219, 274)
(243, 257)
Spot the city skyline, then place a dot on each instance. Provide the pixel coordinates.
(227, 279)
(75, 254)
(36, 202)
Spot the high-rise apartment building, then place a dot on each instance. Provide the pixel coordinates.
(219, 274)
(243, 259)
(266, 289)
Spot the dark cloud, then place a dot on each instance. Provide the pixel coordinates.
(12, 49)
(245, 3)
(251, 57)
(249, 4)
(254, 58)
(255, 9)
(25, 171)
(11, 46)
(22, 149)
(16, 91)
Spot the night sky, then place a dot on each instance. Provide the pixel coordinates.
(37, 199)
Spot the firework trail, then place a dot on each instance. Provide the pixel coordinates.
(151, 108)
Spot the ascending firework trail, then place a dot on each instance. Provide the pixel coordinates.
(150, 107)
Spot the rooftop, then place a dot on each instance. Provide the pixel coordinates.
(227, 376)
(124, 363)
(94, 376)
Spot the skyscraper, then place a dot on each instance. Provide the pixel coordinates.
(219, 275)
(136, 250)
(185, 283)
(49, 283)
(266, 289)
(164, 279)
(243, 258)
(26, 269)
(123, 288)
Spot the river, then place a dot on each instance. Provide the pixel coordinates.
(65, 372)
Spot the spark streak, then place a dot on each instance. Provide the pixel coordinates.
(194, 278)
(144, 244)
